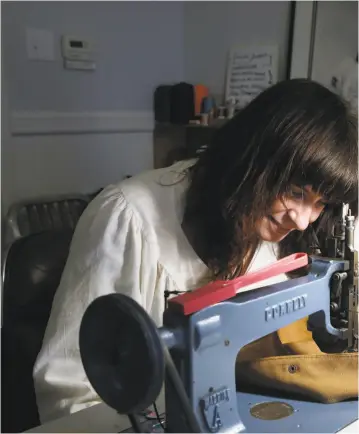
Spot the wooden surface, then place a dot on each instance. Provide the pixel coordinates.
(175, 142)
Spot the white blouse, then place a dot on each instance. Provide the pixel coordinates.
(129, 240)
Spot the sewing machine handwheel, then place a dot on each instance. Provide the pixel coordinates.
(122, 353)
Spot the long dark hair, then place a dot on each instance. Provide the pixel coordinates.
(296, 132)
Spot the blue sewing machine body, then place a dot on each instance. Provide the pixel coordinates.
(127, 358)
(205, 345)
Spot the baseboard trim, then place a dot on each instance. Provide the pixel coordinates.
(48, 122)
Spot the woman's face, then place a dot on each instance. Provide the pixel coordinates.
(294, 211)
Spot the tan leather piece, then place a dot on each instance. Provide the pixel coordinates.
(290, 360)
(297, 331)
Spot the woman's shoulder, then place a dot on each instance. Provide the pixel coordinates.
(156, 181)
(156, 194)
(149, 198)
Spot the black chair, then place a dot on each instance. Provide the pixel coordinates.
(32, 273)
(37, 241)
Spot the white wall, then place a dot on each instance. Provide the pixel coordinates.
(336, 37)
(212, 28)
(7, 154)
(36, 165)
(58, 164)
(302, 36)
(138, 46)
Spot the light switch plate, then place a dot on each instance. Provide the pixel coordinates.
(40, 44)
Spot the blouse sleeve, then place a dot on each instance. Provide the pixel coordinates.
(109, 253)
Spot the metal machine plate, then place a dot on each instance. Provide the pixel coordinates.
(306, 416)
(272, 410)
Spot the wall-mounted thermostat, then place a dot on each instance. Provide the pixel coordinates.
(78, 53)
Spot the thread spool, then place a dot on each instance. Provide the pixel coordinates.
(200, 92)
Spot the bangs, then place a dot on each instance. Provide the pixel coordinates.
(335, 187)
(330, 172)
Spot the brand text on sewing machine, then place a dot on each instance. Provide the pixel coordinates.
(286, 307)
(211, 408)
(216, 398)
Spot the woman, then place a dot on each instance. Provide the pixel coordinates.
(284, 163)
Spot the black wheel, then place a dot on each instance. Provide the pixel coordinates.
(122, 353)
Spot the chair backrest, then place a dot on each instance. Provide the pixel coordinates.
(37, 241)
(33, 216)
(32, 274)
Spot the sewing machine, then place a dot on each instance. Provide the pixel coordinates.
(127, 359)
